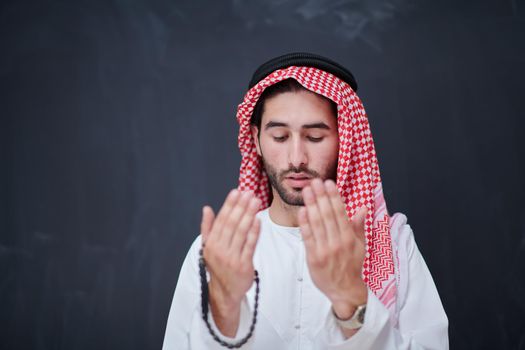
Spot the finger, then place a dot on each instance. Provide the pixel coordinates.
(231, 223)
(326, 212)
(245, 224)
(251, 242)
(306, 231)
(314, 217)
(338, 205)
(226, 208)
(359, 223)
(206, 223)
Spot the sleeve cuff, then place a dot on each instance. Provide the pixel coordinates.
(245, 321)
(376, 317)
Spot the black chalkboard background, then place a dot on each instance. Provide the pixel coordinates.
(118, 124)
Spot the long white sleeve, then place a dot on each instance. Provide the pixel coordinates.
(185, 328)
(422, 324)
(294, 314)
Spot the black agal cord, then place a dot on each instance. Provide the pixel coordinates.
(205, 301)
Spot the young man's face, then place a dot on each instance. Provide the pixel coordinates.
(298, 142)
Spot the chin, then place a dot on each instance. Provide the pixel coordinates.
(293, 198)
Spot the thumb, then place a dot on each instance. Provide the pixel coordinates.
(358, 223)
(207, 222)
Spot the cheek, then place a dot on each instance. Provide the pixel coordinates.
(328, 154)
(271, 151)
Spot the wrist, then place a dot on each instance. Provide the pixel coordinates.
(353, 323)
(343, 311)
(221, 301)
(344, 307)
(224, 311)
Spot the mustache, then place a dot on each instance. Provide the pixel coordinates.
(297, 170)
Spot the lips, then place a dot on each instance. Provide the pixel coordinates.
(298, 180)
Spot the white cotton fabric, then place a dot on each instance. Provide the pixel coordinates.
(294, 314)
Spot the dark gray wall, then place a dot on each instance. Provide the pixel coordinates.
(118, 124)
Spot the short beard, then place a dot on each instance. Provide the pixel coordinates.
(295, 198)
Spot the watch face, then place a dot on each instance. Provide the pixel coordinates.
(361, 315)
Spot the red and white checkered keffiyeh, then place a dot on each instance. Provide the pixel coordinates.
(358, 178)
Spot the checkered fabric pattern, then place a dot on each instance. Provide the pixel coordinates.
(358, 178)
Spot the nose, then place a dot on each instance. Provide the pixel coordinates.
(297, 156)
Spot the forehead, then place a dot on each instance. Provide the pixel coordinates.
(299, 107)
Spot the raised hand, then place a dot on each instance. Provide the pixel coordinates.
(229, 245)
(335, 246)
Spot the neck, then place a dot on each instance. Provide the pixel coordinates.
(283, 214)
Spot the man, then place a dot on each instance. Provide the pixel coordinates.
(308, 223)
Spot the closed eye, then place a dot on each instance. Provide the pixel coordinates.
(315, 139)
(280, 139)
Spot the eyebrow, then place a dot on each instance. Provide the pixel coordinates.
(320, 125)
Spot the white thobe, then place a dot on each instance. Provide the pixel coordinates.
(295, 314)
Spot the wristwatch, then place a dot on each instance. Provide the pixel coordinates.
(354, 322)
